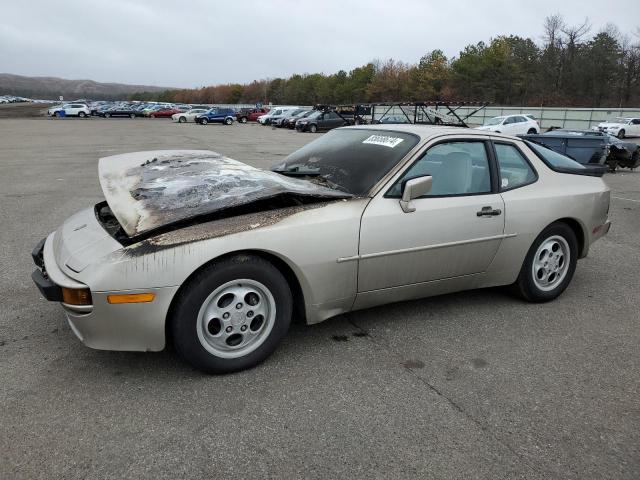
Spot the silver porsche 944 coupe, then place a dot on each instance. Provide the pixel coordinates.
(219, 257)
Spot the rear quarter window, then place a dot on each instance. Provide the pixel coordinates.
(553, 159)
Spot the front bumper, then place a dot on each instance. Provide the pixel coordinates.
(104, 326)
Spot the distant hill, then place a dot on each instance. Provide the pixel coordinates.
(53, 87)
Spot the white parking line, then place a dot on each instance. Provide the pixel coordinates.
(627, 199)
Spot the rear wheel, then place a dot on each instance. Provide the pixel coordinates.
(182, 120)
(82, 114)
(243, 119)
(621, 133)
(231, 315)
(56, 114)
(532, 131)
(132, 115)
(107, 115)
(228, 121)
(549, 265)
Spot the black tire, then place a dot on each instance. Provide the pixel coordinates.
(56, 114)
(243, 120)
(107, 115)
(184, 316)
(532, 131)
(313, 128)
(621, 133)
(82, 114)
(228, 121)
(182, 120)
(525, 286)
(203, 121)
(132, 115)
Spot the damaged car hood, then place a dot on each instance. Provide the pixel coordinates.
(150, 190)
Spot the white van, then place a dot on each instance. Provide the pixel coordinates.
(275, 113)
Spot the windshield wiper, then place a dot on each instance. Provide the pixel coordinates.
(297, 171)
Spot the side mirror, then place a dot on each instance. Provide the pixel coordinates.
(413, 188)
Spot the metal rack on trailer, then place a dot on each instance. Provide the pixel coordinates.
(422, 113)
(430, 113)
(353, 114)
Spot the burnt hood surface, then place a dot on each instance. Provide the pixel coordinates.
(154, 189)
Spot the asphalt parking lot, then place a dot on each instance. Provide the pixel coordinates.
(470, 385)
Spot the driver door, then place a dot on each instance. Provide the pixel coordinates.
(456, 227)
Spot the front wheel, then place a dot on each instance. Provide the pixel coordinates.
(621, 134)
(132, 115)
(532, 131)
(204, 121)
(107, 115)
(313, 128)
(243, 119)
(182, 120)
(231, 315)
(549, 265)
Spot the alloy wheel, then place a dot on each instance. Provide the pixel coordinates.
(551, 263)
(236, 318)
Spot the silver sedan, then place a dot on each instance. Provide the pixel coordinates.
(219, 257)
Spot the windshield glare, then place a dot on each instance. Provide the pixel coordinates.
(495, 121)
(352, 159)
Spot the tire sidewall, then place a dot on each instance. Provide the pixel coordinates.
(525, 283)
(185, 314)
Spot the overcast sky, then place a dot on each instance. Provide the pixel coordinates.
(204, 42)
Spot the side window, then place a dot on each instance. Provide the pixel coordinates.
(457, 168)
(515, 171)
(636, 121)
(509, 121)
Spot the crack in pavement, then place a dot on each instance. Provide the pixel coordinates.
(451, 402)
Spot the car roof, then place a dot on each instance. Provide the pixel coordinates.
(426, 132)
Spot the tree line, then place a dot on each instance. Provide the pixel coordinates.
(569, 66)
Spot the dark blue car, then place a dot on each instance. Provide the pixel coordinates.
(217, 115)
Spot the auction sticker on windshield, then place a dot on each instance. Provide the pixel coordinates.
(383, 140)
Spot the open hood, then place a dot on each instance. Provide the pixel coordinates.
(150, 190)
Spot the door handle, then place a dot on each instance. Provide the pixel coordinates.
(489, 212)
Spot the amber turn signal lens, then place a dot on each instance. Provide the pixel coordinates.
(132, 298)
(73, 296)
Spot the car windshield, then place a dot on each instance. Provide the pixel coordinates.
(352, 160)
(554, 159)
(494, 121)
(315, 114)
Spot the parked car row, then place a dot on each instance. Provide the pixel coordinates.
(13, 99)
